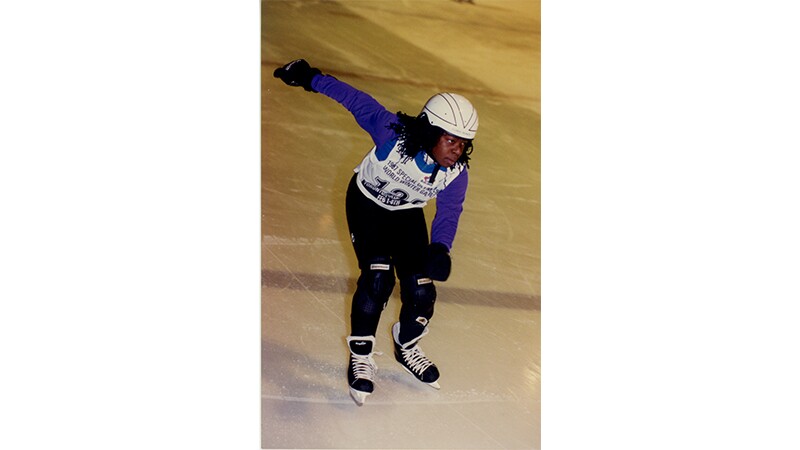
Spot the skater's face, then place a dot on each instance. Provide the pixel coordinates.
(448, 149)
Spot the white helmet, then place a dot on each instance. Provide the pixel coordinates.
(452, 113)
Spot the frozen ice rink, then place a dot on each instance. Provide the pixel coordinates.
(485, 334)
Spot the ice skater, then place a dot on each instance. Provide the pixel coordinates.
(414, 159)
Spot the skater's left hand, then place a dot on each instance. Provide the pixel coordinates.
(297, 73)
(437, 262)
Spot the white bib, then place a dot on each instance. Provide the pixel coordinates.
(398, 182)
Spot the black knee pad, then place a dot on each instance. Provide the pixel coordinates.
(375, 285)
(418, 295)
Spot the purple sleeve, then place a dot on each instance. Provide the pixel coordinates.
(449, 204)
(370, 115)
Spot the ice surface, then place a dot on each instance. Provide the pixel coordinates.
(485, 333)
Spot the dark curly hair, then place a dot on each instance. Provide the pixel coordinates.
(416, 133)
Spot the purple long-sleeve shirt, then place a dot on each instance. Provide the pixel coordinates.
(375, 119)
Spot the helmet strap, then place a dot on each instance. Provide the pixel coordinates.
(436, 168)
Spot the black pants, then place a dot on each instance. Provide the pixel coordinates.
(398, 237)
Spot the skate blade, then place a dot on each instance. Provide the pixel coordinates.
(359, 396)
(433, 384)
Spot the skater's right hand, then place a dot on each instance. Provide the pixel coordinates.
(297, 73)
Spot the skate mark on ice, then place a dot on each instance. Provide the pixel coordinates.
(416, 83)
(305, 286)
(349, 401)
(477, 426)
(277, 240)
(341, 284)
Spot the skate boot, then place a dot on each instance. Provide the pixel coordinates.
(411, 357)
(362, 367)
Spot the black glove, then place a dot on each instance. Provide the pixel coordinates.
(437, 262)
(297, 73)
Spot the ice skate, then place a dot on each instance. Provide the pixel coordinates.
(362, 368)
(412, 358)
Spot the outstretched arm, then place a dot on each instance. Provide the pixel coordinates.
(369, 114)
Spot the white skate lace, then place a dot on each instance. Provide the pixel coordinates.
(415, 359)
(364, 366)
